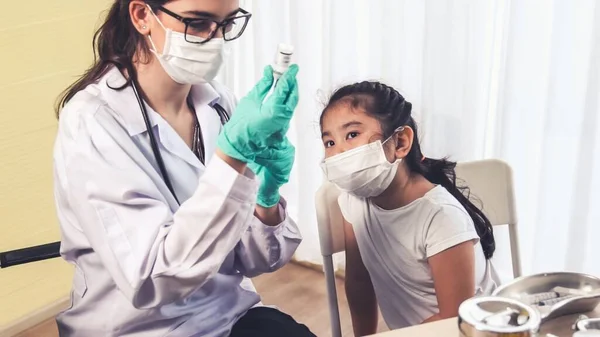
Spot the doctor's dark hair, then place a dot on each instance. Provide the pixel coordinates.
(116, 43)
(392, 111)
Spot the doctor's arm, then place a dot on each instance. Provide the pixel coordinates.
(155, 257)
(272, 238)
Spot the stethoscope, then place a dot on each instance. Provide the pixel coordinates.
(223, 115)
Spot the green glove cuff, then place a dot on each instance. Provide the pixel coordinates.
(268, 192)
(268, 200)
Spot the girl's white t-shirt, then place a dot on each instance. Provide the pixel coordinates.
(395, 245)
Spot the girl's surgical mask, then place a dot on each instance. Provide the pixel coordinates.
(188, 63)
(363, 171)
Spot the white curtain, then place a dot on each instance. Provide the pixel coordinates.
(515, 80)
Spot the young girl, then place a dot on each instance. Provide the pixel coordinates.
(415, 244)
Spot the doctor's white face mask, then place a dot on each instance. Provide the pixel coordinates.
(363, 171)
(185, 62)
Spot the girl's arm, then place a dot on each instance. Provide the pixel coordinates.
(359, 288)
(453, 273)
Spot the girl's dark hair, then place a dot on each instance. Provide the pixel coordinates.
(392, 111)
(116, 43)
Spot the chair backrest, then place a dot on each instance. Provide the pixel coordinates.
(490, 183)
(331, 236)
(491, 186)
(329, 219)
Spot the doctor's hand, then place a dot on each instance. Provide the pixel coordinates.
(273, 167)
(255, 126)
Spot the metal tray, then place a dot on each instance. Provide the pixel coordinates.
(540, 283)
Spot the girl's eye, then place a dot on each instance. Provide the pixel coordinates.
(329, 143)
(352, 135)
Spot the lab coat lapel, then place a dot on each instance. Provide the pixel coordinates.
(124, 102)
(172, 142)
(203, 96)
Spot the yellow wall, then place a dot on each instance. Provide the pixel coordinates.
(44, 44)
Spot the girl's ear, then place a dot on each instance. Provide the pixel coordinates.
(403, 141)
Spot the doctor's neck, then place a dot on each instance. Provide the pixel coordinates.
(165, 96)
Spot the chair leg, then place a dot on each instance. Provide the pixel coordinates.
(334, 312)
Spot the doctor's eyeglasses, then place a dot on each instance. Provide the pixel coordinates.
(202, 30)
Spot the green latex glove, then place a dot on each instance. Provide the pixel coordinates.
(256, 126)
(273, 167)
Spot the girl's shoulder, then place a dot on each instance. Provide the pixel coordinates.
(449, 223)
(440, 200)
(352, 207)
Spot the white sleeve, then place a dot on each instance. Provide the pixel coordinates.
(264, 249)
(448, 227)
(345, 203)
(154, 256)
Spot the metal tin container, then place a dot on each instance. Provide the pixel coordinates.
(585, 323)
(497, 317)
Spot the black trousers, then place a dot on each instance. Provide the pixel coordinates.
(268, 322)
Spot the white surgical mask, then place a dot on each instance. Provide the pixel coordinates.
(189, 63)
(363, 171)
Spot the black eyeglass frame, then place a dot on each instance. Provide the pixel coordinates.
(220, 24)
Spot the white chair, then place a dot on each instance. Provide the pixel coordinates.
(490, 182)
(491, 186)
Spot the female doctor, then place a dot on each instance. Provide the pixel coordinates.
(160, 211)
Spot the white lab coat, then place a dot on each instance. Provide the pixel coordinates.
(143, 265)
